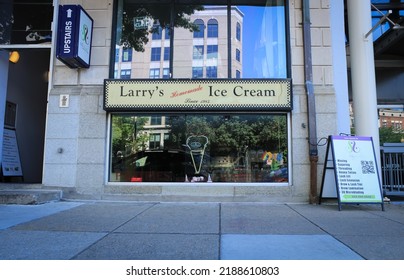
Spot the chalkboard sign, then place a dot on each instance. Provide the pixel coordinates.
(355, 170)
(11, 164)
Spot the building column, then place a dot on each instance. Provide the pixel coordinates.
(339, 66)
(363, 72)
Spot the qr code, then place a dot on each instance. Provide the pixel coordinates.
(368, 167)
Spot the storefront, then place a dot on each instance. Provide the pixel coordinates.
(192, 100)
(196, 98)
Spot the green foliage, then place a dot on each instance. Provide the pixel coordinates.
(389, 135)
(138, 38)
(127, 135)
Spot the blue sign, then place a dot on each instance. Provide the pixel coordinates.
(74, 36)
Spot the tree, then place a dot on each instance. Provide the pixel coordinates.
(127, 136)
(389, 135)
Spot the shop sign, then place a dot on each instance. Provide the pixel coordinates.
(74, 36)
(274, 94)
(142, 22)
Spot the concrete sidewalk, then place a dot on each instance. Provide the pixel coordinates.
(171, 231)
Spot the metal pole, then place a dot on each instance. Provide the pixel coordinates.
(172, 27)
(311, 108)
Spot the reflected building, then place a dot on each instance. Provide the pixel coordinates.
(207, 49)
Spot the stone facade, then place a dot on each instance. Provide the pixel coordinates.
(77, 137)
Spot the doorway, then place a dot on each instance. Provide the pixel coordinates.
(25, 110)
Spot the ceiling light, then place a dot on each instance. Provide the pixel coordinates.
(14, 57)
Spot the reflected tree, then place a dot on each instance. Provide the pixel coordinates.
(235, 134)
(272, 133)
(128, 136)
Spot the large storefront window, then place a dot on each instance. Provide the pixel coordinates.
(199, 92)
(199, 148)
(209, 40)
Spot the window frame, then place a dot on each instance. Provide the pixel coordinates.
(128, 53)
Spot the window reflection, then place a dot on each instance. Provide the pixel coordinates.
(264, 51)
(180, 148)
(201, 39)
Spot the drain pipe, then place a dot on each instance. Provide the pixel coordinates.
(311, 103)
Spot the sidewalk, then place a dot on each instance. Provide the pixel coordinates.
(172, 231)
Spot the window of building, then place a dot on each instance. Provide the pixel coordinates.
(213, 28)
(166, 73)
(238, 55)
(126, 55)
(211, 72)
(154, 141)
(155, 54)
(200, 29)
(155, 120)
(212, 51)
(154, 73)
(116, 54)
(238, 31)
(197, 72)
(125, 74)
(198, 52)
(166, 139)
(167, 33)
(157, 32)
(238, 74)
(166, 53)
